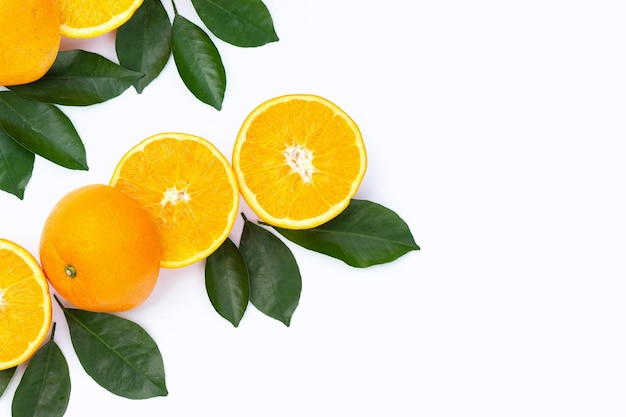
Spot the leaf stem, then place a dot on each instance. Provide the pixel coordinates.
(54, 328)
(245, 219)
(175, 9)
(58, 302)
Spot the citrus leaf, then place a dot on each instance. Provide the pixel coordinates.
(226, 281)
(16, 165)
(117, 353)
(198, 62)
(44, 389)
(275, 281)
(5, 377)
(143, 43)
(79, 78)
(43, 129)
(364, 234)
(240, 23)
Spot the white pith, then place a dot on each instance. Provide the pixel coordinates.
(173, 196)
(300, 160)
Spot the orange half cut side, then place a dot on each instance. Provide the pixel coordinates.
(189, 190)
(299, 159)
(25, 305)
(91, 18)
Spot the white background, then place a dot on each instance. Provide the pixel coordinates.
(495, 129)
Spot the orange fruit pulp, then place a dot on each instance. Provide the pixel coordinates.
(25, 305)
(91, 18)
(189, 189)
(299, 159)
(30, 37)
(100, 250)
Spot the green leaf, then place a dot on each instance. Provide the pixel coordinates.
(43, 129)
(198, 62)
(117, 353)
(16, 165)
(45, 386)
(5, 377)
(79, 78)
(241, 23)
(226, 281)
(275, 281)
(143, 43)
(364, 234)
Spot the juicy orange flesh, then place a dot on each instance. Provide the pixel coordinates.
(335, 158)
(170, 178)
(95, 16)
(24, 307)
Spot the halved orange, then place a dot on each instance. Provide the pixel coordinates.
(25, 305)
(91, 18)
(189, 190)
(299, 159)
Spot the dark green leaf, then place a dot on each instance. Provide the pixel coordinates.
(364, 234)
(275, 281)
(5, 378)
(117, 353)
(240, 23)
(43, 129)
(226, 280)
(44, 390)
(79, 78)
(16, 165)
(143, 43)
(198, 62)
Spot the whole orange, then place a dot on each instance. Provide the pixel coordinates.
(100, 250)
(30, 36)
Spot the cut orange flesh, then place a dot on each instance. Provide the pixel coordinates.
(91, 18)
(188, 188)
(299, 159)
(25, 305)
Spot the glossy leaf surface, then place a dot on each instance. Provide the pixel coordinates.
(143, 44)
(43, 129)
(198, 62)
(240, 23)
(117, 353)
(44, 389)
(275, 281)
(16, 165)
(226, 281)
(79, 78)
(364, 234)
(5, 377)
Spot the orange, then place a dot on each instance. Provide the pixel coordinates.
(25, 306)
(299, 159)
(29, 39)
(91, 18)
(100, 250)
(189, 189)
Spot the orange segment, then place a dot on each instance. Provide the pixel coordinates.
(91, 18)
(25, 305)
(188, 188)
(299, 159)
